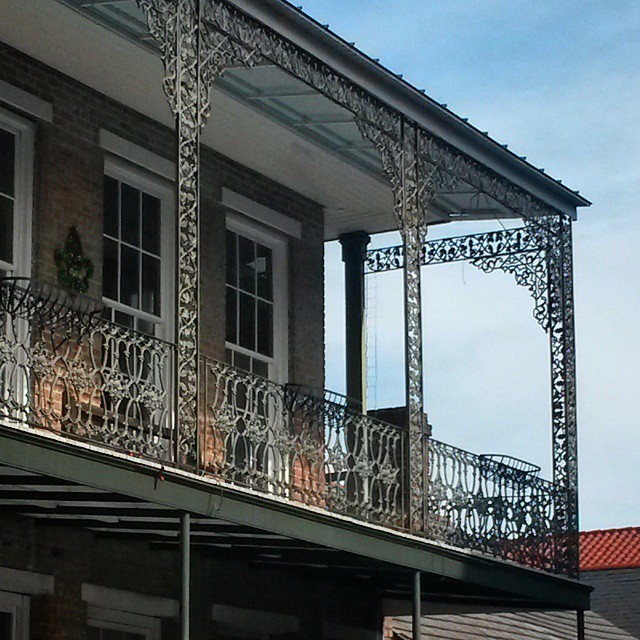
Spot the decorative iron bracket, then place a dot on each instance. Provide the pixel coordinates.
(539, 256)
(193, 57)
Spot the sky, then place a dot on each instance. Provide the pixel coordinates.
(559, 82)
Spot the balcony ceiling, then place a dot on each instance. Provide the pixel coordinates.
(314, 148)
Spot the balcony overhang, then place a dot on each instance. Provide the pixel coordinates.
(270, 121)
(114, 494)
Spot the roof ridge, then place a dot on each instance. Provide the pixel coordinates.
(629, 528)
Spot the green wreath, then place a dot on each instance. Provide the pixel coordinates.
(74, 270)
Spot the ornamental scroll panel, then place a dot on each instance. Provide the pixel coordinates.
(414, 183)
(193, 57)
(539, 256)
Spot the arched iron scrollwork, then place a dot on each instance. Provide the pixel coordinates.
(285, 441)
(193, 57)
(539, 256)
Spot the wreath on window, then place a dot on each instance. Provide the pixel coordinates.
(74, 270)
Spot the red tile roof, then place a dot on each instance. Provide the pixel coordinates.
(610, 549)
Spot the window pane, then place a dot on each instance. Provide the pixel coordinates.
(232, 259)
(129, 276)
(110, 215)
(93, 633)
(143, 326)
(241, 361)
(247, 322)
(264, 270)
(151, 285)
(261, 368)
(110, 270)
(247, 259)
(6, 229)
(232, 301)
(265, 328)
(7, 162)
(150, 224)
(130, 214)
(123, 319)
(6, 626)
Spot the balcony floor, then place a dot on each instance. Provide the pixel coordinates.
(124, 496)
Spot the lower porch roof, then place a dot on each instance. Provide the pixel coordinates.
(124, 496)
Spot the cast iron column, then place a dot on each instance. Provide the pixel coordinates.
(354, 250)
(185, 555)
(417, 604)
(563, 385)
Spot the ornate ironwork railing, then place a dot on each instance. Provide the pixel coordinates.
(283, 440)
(494, 504)
(66, 369)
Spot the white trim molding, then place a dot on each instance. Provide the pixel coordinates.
(129, 601)
(137, 155)
(25, 102)
(24, 132)
(252, 621)
(260, 213)
(28, 582)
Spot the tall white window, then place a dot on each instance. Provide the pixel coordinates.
(137, 272)
(16, 153)
(256, 300)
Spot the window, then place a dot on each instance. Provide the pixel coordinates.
(14, 616)
(113, 614)
(255, 300)
(16, 151)
(137, 272)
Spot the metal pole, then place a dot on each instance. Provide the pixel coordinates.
(185, 549)
(354, 249)
(416, 605)
(580, 616)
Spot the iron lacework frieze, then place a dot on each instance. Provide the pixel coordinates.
(539, 256)
(198, 39)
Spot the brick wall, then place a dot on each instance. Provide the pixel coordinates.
(68, 191)
(616, 596)
(73, 555)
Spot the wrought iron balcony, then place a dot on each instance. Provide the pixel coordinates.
(65, 369)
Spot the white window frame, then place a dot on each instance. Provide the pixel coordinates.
(17, 606)
(279, 367)
(142, 179)
(128, 611)
(24, 132)
(146, 626)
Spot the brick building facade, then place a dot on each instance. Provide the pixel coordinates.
(170, 464)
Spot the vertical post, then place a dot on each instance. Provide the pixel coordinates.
(185, 554)
(354, 248)
(580, 620)
(189, 119)
(417, 602)
(563, 387)
(414, 231)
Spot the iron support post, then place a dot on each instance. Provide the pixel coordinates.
(185, 554)
(354, 251)
(417, 602)
(563, 385)
(580, 621)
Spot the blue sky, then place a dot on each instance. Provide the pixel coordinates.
(559, 81)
